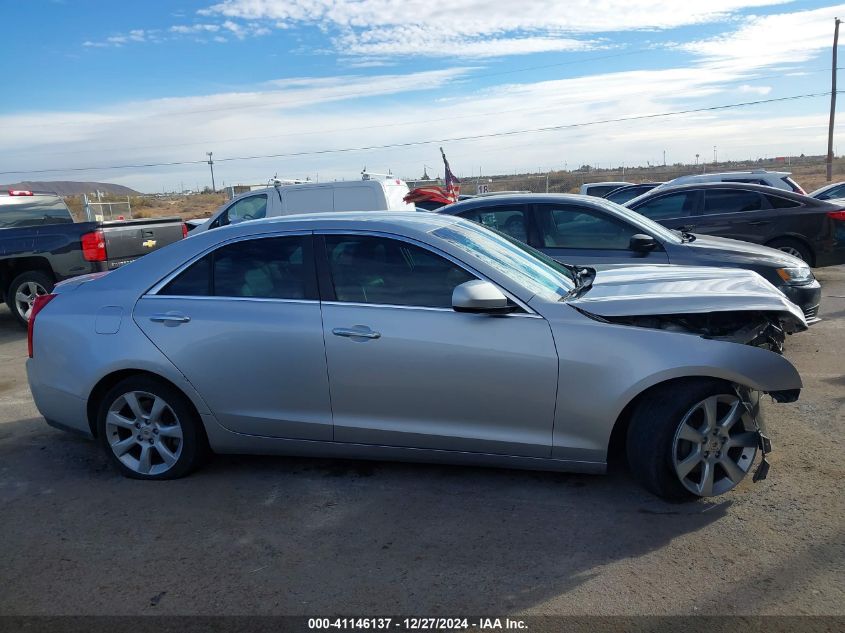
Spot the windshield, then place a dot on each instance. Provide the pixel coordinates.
(528, 267)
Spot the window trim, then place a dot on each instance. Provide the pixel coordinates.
(308, 260)
(326, 285)
(697, 206)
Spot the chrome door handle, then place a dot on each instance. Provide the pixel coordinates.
(353, 333)
(170, 318)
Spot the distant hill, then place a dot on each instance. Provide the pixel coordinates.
(71, 188)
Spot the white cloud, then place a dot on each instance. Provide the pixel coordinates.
(468, 28)
(754, 90)
(787, 38)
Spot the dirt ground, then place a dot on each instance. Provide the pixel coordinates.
(251, 535)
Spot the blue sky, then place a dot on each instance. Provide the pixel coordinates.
(111, 83)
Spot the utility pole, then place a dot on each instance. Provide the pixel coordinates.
(714, 155)
(664, 158)
(211, 165)
(832, 103)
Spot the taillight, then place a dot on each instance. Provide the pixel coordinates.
(37, 306)
(184, 230)
(837, 215)
(94, 246)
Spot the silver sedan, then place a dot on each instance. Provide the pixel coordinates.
(412, 337)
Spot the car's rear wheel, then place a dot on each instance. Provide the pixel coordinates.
(694, 438)
(794, 248)
(150, 430)
(22, 293)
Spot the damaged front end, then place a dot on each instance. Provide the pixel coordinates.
(758, 329)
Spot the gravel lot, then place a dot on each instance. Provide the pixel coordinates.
(317, 537)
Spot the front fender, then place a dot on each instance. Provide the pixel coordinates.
(604, 366)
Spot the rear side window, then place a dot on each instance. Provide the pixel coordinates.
(601, 190)
(34, 211)
(267, 268)
(782, 203)
(675, 205)
(731, 201)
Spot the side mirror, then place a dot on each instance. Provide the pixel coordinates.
(480, 297)
(642, 243)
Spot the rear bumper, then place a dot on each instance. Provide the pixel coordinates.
(806, 297)
(833, 256)
(61, 409)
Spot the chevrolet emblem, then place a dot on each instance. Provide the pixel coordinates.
(148, 243)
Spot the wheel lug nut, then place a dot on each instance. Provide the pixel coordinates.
(155, 431)
(137, 425)
(718, 455)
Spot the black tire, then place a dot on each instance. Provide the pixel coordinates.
(42, 280)
(793, 247)
(652, 429)
(194, 443)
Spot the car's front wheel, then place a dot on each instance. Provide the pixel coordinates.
(150, 429)
(692, 438)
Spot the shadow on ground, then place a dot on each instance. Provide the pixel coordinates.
(290, 535)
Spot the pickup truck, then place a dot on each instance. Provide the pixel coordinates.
(40, 245)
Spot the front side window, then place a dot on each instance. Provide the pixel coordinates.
(574, 227)
(249, 208)
(731, 201)
(510, 220)
(267, 268)
(379, 270)
(675, 205)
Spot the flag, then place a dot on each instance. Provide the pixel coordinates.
(453, 185)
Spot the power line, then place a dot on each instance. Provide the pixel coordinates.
(375, 127)
(455, 139)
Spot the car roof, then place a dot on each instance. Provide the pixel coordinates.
(826, 188)
(742, 172)
(742, 186)
(415, 220)
(522, 198)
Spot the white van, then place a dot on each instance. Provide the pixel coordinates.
(369, 194)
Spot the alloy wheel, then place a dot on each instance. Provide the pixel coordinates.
(713, 447)
(791, 250)
(144, 432)
(25, 297)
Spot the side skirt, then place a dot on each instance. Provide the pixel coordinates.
(227, 442)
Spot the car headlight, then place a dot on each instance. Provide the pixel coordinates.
(797, 275)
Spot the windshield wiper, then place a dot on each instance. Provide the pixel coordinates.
(583, 277)
(684, 232)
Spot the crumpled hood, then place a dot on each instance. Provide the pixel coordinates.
(667, 289)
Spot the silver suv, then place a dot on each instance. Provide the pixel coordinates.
(776, 179)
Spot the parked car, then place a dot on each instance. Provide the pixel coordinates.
(369, 194)
(777, 179)
(832, 191)
(418, 337)
(595, 232)
(41, 244)
(600, 189)
(812, 230)
(629, 192)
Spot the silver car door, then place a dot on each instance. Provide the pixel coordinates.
(243, 324)
(406, 370)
